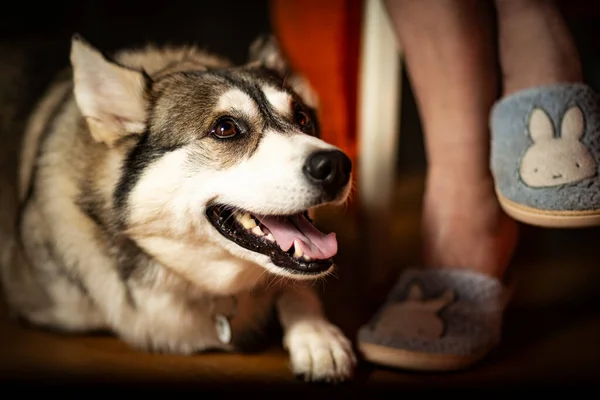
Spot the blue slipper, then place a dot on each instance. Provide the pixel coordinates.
(436, 320)
(545, 154)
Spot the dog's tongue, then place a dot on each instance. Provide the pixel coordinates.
(313, 242)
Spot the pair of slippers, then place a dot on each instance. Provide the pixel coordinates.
(545, 155)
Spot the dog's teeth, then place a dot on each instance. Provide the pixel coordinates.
(270, 237)
(257, 231)
(297, 250)
(246, 220)
(306, 258)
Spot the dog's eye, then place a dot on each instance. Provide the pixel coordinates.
(302, 119)
(225, 129)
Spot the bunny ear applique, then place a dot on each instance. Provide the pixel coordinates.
(441, 302)
(433, 304)
(415, 292)
(573, 124)
(540, 125)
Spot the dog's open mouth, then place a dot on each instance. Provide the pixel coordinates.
(292, 242)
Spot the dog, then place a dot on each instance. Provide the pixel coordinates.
(163, 196)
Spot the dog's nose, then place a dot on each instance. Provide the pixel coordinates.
(329, 169)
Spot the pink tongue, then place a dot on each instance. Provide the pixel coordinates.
(313, 242)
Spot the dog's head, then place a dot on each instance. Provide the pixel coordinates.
(225, 155)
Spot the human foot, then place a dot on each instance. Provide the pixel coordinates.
(463, 225)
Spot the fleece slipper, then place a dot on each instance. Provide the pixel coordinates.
(545, 155)
(436, 320)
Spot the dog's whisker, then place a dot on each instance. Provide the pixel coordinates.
(258, 279)
(229, 217)
(277, 280)
(229, 209)
(270, 281)
(333, 274)
(282, 281)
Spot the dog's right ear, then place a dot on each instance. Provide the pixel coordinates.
(112, 98)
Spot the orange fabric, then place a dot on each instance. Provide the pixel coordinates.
(320, 39)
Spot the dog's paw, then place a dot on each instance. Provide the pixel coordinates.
(319, 352)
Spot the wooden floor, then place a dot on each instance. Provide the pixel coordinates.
(551, 335)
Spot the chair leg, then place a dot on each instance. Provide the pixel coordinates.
(378, 132)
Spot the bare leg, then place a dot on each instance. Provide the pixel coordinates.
(536, 47)
(449, 51)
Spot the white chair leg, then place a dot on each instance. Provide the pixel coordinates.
(378, 131)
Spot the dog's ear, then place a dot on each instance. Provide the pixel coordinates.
(266, 52)
(112, 98)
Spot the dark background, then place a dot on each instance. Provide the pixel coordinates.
(223, 26)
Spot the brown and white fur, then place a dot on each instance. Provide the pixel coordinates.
(117, 169)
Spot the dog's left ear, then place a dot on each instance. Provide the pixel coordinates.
(112, 98)
(266, 52)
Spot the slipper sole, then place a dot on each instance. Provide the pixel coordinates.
(546, 218)
(417, 361)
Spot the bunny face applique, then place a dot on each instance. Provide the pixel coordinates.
(554, 161)
(415, 317)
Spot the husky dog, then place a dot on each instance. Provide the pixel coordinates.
(162, 189)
